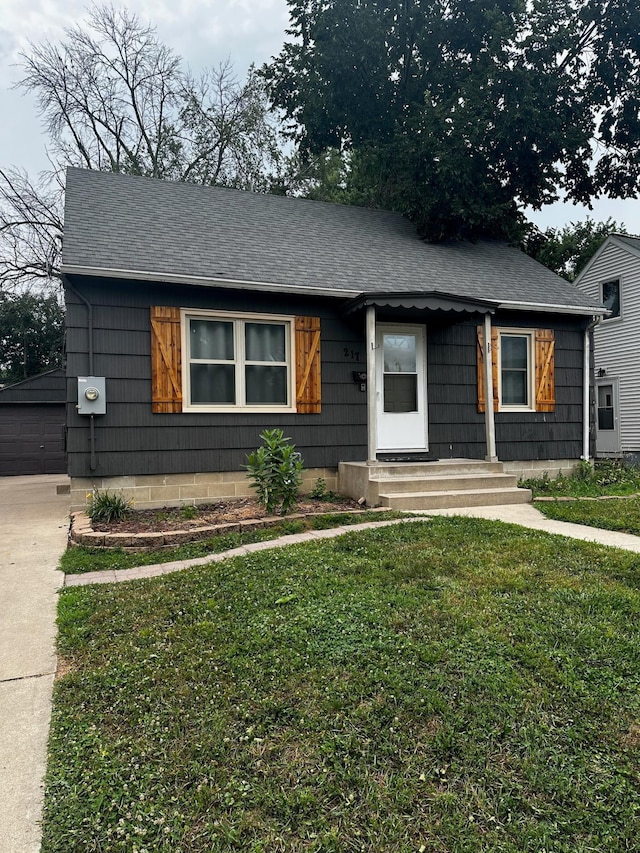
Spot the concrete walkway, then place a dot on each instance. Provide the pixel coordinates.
(526, 515)
(33, 534)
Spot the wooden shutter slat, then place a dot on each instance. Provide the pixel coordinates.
(166, 360)
(308, 365)
(545, 370)
(480, 368)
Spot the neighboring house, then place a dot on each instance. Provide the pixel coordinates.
(612, 276)
(32, 425)
(212, 314)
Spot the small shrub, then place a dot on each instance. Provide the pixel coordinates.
(319, 490)
(276, 471)
(188, 512)
(107, 506)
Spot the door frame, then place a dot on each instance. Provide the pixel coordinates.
(614, 435)
(420, 330)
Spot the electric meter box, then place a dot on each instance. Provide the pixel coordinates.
(92, 395)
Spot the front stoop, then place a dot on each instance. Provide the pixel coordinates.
(445, 484)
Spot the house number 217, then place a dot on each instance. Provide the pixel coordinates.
(354, 355)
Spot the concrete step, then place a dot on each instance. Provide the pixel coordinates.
(454, 498)
(455, 482)
(448, 467)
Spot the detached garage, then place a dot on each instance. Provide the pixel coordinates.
(32, 424)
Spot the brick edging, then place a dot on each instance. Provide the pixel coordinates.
(81, 531)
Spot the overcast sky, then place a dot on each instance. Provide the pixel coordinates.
(204, 33)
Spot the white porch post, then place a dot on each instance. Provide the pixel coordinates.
(489, 419)
(372, 422)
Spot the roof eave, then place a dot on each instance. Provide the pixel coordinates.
(541, 307)
(203, 281)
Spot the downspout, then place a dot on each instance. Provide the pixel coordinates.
(92, 436)
(586, 387)
(489, 418)
(372, 422)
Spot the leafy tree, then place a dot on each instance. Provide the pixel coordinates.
(460, 113)
(568, 250)
(31, 336)
(114, 98)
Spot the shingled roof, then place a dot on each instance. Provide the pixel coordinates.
(140, 228)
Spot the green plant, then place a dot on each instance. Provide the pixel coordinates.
(276, 471)
(319, 490)
(107, 506)
(188, 511)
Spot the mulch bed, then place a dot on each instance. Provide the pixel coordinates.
(220, 512)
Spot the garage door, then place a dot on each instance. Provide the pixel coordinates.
(32, 440)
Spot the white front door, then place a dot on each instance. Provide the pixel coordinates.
(401, 388)
(608, 420)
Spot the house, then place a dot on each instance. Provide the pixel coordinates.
(199, 316)
(32, 425)
(612, 276)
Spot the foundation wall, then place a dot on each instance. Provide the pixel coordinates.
(154, 491)
(534, 468)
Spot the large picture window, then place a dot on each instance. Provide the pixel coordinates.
(237, 362)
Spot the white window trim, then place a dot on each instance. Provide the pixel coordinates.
(619, 315)
(531, 368)
(239, 361)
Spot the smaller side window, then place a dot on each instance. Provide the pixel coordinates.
(611, 297)
(516, 373)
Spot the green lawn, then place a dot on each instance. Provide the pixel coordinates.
(615, 514)
(449, 685)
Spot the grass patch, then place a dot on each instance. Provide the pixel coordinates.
(79, 559)
(607, 477)
(622, 515)
(452, 685)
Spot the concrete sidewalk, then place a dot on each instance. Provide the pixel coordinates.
(526, 515)
(34, 522)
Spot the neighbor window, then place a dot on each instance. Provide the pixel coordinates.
(516, 379)
(611, 297)
(237, 362)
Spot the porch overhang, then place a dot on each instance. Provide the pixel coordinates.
(421, 301)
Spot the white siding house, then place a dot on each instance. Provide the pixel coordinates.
(612, 276)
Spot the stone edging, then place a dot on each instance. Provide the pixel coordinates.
(82, 533)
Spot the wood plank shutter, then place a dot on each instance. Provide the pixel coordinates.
(308, 379)
(480, 368)
(545, 371)
(166, 360)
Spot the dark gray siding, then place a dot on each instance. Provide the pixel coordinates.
(130, 439)
(456, 428)
(49, 387)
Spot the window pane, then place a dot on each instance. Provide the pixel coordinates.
(514, 388)
(213, 383)
(399, 354)
(265, 342)
(513, 352)
(266, 384)
(611, 296)
(400, 392)
(211, 339)
(605, 407)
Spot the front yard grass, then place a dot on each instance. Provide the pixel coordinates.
(453, 685)
(621, 514)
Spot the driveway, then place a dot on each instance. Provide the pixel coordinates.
(33, 533)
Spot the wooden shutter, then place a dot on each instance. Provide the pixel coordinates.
(545, 371)
(166, 360)
(308, 380)
(494, 368)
